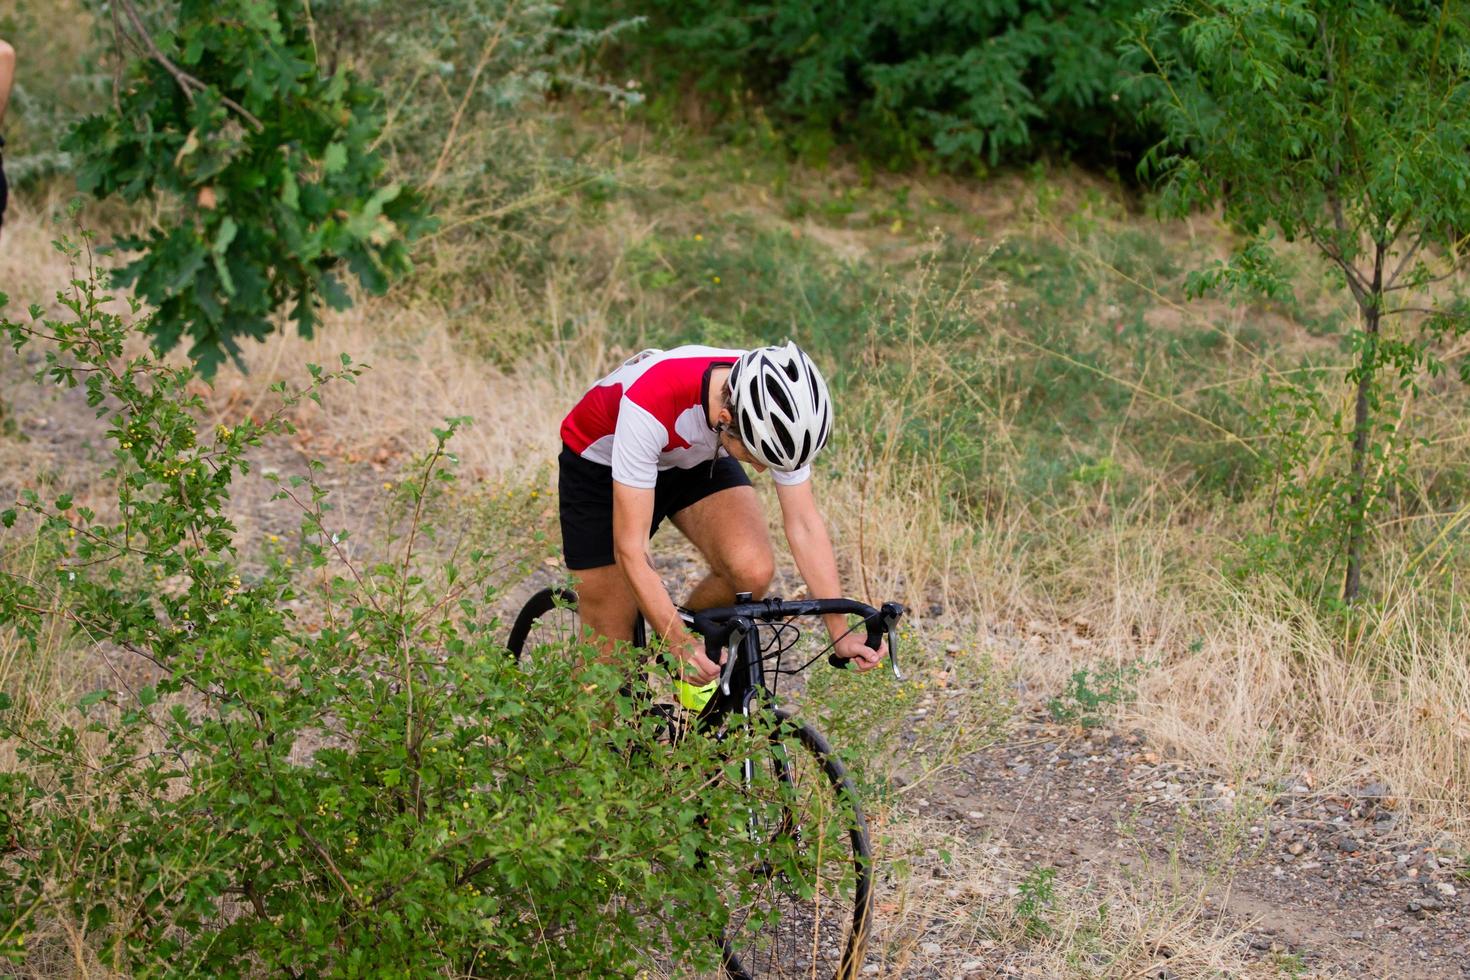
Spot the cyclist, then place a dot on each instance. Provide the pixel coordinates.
(664, 436)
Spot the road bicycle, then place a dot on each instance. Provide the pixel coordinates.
(804, 909)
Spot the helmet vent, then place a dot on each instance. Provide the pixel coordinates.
(778, 395)
(787, 442)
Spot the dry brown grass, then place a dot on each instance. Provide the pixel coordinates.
(425, 368)
(32, 271)
(1248, 680)
(418, 376)
(1270, 682)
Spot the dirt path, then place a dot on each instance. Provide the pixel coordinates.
(1315, 885)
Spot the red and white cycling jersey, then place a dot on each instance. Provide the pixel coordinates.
(649, 415)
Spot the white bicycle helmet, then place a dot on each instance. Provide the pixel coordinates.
(781, 407)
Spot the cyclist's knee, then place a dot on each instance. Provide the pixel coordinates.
(613, 623)
(751, 573)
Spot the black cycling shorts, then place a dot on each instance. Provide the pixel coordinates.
(586, 490)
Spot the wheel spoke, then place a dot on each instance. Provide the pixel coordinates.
(795, 912)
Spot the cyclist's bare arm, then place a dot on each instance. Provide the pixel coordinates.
(7, 75)
(632, 513)
(811, 546)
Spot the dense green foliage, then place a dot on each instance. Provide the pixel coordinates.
(226, 112)
(458, 109)
(1346, 124)
(971, 83)
(319, 767)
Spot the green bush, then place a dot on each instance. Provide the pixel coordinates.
(974, 83)
(1091, 689)
(1035, 896)
(316, 765)
(283, 199)
(355, 117)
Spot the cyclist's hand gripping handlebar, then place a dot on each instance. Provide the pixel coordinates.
(886, 622)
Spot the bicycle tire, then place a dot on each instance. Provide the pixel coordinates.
(809, 815)
(549, 618)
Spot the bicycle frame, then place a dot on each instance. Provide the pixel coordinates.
(745, 690)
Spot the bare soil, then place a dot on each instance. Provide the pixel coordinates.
(1317, 883)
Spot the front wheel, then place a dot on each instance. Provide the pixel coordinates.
(547, 622)
(803, 908)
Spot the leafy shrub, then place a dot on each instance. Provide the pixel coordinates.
(974, 83)
(1035, 896)
(273, 162)
(1091, 689)
(321, 767)
(460, 115)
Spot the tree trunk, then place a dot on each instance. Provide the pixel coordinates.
(1358, 475)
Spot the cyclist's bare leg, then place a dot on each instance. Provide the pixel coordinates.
(606, 604)
(729, 529)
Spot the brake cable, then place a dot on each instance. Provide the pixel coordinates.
(777, 639)
(833, 644)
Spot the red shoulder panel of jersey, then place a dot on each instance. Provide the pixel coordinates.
(595, 416)
(670, 388)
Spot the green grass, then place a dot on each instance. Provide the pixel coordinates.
(1067, 362)
(746, 283)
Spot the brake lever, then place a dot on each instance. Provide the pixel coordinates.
(890, 613)
(893, 653)
(888, 616)
(739, 627)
